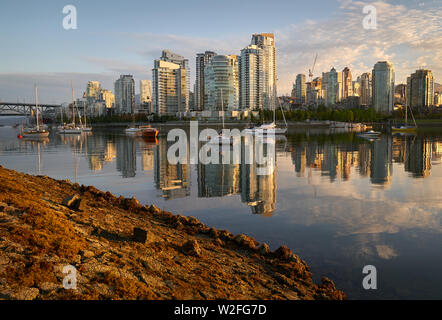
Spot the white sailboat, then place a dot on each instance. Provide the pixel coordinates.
(85, 127)
(270, 128)
(221, 139)
(71, 128)
(37, 132)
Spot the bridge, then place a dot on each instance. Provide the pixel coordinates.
(27, 108)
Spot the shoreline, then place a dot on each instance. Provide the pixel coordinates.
(125, 250)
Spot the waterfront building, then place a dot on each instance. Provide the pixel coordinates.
(437, 99)
(383, 87)
(108, 97)
(170, 93)
(334, 87)
(250, 78)
(420, 89)
(202, 59)
(257, 73)
(366, 89)
(266, 42)
(315, 92)
(347, 83)
(184, 66)
(93, 90)
(145, 105)
(301, 89)
(125, 95)
(221, 76)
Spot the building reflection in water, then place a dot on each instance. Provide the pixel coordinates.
(126, 157)
(332, 159)
(219, 180)
(172, 179)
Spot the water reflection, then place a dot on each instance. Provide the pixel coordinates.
(339, 201)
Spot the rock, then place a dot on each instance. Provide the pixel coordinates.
(214, 233)
(131, 204)
(87, 254)
(26, 294)
(73, 202)
(264, 249)
(192, 248)
(283, 253)
(218, 242)
(140, 235)
(240, 239)
(47, 287)
(154, 209)
(3, 206)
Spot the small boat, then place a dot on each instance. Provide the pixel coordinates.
(147, 132)
(405, 127)
(86, 129)
(37, 132)
(70, 128)
(370, 134)
(132, 130)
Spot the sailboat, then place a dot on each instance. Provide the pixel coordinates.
(268, 128)
(37, 132)
(71, 128)
(405, 127)
(132, 129)
(221, 139)
(85, 127)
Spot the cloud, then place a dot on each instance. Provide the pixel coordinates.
(408, 36)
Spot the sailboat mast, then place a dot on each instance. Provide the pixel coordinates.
(222, 106)
(36, 106)
(406, 115)
(73, 104)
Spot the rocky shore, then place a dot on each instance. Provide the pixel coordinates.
(123, 250)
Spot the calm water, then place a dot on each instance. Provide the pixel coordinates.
(338, 201)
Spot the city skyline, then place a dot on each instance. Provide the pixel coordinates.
(335, 32)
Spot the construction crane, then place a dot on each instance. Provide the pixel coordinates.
(310, 71)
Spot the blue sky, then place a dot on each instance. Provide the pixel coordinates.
(126, 36)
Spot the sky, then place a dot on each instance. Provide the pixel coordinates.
(124, 37)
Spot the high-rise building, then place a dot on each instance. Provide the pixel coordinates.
(250, 78)
(108, 97)
(315, 92)
(420, 89)
(93, 90)
(366, 89)
(334, 87)
(301, 89)
(184, 64)
(266, 42)
(201, 61)
(169, 88)
(221, 79)
(347, 83)
(145, 91)
(257, 73)
(125, 95)
(383, 87)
